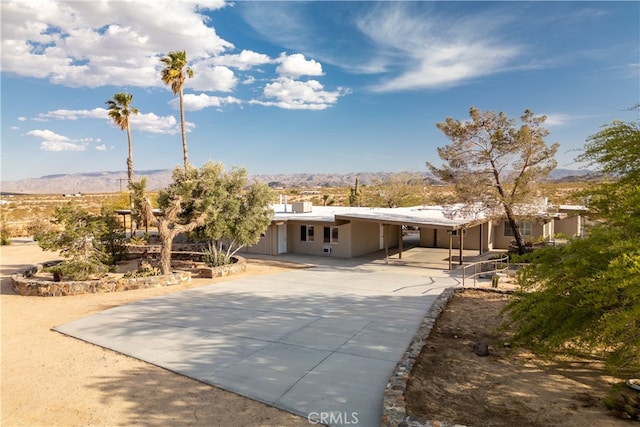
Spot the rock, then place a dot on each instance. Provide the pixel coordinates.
(481, 348)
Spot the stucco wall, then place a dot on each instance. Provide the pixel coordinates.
(365, 237)
(268, 244)
(341, 249)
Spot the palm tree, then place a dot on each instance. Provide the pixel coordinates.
(119, 110)
(174, 74)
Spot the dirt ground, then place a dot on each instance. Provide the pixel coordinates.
(451, 383)
(49, 379)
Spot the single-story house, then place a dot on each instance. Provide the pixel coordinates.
(347, 232)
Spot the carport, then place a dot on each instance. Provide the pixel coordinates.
(455, 228)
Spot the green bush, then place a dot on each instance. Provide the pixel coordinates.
(79, 270)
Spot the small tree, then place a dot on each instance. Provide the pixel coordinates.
(142, 213)
(586, 295)
(225, 212)
(89, 243)
(495, 165)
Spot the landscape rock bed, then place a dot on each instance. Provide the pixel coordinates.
(25, 283)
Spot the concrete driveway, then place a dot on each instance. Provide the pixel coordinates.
(318, 342)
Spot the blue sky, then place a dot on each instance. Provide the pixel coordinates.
(292, 87)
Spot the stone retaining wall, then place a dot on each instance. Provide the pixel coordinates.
(25, 284)
(394, 411)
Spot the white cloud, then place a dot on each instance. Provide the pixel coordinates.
(62, 114)
(22, 119)
(61, 146)
(92, 44)
(101, 147)
(47, 134)
(244, 60)
(14, 128)
(296, 65)
(198, 102)
(435, 51)
(299, 95)
(212, 78)
(561, 119)
(143, 122)
(249, 80)
(153, 123)
(52, 141)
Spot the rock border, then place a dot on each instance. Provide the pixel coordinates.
(394, 405)
(24, 284)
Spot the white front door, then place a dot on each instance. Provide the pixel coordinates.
(282, 239)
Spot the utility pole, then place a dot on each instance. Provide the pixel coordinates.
(120, 180)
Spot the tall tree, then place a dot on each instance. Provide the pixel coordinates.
(495, 165)
(586, 295)
(397, 190)
(174, 74)
(120, 110)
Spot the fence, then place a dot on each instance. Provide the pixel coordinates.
(498, 265)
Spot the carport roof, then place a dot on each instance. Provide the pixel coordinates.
(419, 216)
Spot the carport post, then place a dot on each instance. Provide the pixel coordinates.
(461, 239)
(386, 243)
(400, 244)
(450, 249)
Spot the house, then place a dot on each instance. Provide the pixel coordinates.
(348, 232)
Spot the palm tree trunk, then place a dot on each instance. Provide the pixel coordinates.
(130, 158)
(130, 176)
(184, 133)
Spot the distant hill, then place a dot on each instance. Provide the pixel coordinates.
(112, 182)
(569, 174)
(90, 182)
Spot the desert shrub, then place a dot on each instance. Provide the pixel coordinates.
(79, 269)
(137, 240)
(145, 270)
(214, 258)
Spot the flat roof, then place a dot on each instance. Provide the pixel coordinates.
(420, 216)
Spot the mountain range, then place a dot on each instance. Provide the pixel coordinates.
(114, 181)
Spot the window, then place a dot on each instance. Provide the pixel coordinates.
(331, 235)
(306, 233)
(525, 228)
